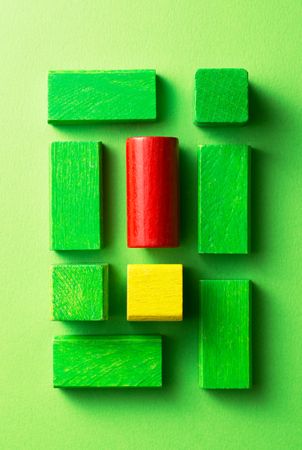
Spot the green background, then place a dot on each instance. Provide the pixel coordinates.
(175, 38)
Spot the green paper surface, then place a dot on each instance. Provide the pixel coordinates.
(176, 38)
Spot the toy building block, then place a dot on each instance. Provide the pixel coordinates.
(223, 199)
(225, 334)
(154, 292)
(92, 96)
(80, 292)
(152, 192)
(107, 361)
(221, 97)
(76, 196)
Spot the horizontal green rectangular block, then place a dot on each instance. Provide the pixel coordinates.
(223, 198)
(107, 361)
(91, 96)
(225, 334)
(80, 292)
(76, 195)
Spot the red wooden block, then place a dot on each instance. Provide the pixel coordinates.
(152, 192)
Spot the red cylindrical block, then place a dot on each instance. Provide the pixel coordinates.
(152, 192)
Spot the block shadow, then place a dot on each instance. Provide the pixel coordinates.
(259, 326)
(166, 98)
(257, 204)
(107, 213)
(188, 197)
(166, 104)
(87, 397)
(257, 219)
(263, 114)
(109, 163)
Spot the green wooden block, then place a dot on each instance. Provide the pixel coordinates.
(223, 199)
(107, 361)
(221, 97)
(76, 192)
(92, 96)
(80, 292)
(225, 334)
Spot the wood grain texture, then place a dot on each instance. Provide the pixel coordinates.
(91, 96)
(225, 334)
(76, 196)
(221, 97)
(107, 361)
(223, 199)
(152, 192)
(155, 292)
(80, 292)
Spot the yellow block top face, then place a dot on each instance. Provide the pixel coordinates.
(154, 292)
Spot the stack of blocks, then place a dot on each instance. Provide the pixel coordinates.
(154, 291)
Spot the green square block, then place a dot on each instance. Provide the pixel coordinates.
(225, 334)
(80, 292)
(76, 196)
(92, 96)
(221, 97)
(223, 198)
(107, 361)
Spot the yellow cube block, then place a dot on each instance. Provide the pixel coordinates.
(154, 292)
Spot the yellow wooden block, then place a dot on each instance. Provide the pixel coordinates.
(154, 292)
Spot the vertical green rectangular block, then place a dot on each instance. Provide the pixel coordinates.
(80, 292)
(223, 198)
(76, 194)
(92, 96)
(107, 361)
(225, 334)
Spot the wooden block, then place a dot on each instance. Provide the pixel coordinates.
(80, 292)
(76, 196)
(92, 96)
(225, 334)
(154, 292)
(107, 361)
(221, 97)
(152, 192)
(223, 199)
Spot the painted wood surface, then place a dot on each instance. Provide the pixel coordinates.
(221, 97)
(155, 292)
(107, 361)
(80, 292)
(223, 198)
(152, 192)
(76, 196)
(91, 96)
(225, 334)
